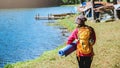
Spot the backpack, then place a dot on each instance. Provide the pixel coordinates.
(84, 46)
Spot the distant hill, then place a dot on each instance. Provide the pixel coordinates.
(28, 3)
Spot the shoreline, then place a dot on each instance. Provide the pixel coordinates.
(45, 54)
(106, 49)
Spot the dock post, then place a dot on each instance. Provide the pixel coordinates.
(93, 17)
(115, 12)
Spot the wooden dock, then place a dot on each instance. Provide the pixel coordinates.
(62, 15)
(47, 17)
(52, 16)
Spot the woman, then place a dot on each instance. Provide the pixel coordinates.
(85, 37)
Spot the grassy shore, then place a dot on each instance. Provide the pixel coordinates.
(107, 49)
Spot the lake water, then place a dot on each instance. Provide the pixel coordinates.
(24, 38)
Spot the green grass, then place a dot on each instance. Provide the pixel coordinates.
(107, 49)
(107, 45)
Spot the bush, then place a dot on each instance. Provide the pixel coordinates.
(8, 66)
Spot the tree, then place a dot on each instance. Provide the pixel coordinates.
(71, 1)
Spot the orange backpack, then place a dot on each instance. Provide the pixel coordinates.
(84, 45)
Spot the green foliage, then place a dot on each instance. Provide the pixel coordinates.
(8, 66)
(78, 1)
(68, 22)
(71, 1)
(65, 1)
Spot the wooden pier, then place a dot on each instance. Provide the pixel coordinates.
(47, 17)
(52, 16)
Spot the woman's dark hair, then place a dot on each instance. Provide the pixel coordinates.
(82, 18)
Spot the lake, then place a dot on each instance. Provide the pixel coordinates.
(24, 38)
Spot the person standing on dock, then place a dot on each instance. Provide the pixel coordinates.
(85, 36)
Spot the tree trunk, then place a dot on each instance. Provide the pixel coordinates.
(114, 1)
(108, 0)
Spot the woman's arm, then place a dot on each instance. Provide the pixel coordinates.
(72, 37)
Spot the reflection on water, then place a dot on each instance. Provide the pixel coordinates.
(23, 38)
